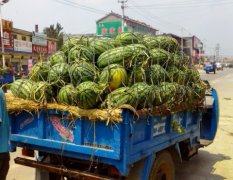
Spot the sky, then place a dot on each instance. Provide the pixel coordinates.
(209, 20)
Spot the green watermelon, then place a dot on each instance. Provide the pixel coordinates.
(57, 58)
(80, 53)
(127, 38)
(41, 92)
(83, 71)
(39, 72)
(67, 95)
(117, 98)
(157, 74)
(22, 88)
(88, 95)
(59, 74)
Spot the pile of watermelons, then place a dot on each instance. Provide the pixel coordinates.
(141, 71)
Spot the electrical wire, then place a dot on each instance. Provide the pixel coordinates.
(80, 6)
(158, 20)
(184, 5)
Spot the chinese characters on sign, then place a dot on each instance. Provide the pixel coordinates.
(7, 40)
(22, 46)
(39, 49)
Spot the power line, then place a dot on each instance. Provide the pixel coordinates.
(80, 6)
(161, 21)
(183, 5)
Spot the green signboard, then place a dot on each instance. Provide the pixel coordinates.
(109, 28)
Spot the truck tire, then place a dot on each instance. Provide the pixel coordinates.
(163, 167)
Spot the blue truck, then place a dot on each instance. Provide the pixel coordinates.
(140, 147)
(210, 68)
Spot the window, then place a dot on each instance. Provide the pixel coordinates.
(23, 38)
(15, 36)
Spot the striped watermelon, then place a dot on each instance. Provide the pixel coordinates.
(126, 38)
(143, 95)
(22, 88)
(137, 74)
(41, 92)
(101, 45)
(162, 42)
(117, 98)
(58, 57)
(39, 72)
(114, 75)
(157, 74)
(83, 71)
(74, 41)
(88, 95)
(126, 56)
(59, 74)
(161, 57)
(67, 95)
(167, 92)
(79, 53)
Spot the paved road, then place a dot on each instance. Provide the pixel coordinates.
(214, 162)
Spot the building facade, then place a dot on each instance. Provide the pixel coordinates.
(193, 47)
(111, 25)
(22, 48)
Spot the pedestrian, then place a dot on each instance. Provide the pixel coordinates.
(214, 67)
(4, 138)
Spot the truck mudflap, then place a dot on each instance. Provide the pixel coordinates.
(210, 118)
(59, 170)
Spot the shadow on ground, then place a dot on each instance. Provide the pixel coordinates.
(200, 167)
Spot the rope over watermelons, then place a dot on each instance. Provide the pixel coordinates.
(143, 72)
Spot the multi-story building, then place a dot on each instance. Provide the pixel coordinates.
(22, 48)
(111, 25)
(193, 47)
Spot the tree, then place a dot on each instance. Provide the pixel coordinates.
(55, 32)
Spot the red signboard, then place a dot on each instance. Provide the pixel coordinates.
(52, 47)
(39, 49)
(7, 40)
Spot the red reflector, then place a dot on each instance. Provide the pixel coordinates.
(112, 171)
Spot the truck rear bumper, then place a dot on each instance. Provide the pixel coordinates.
(58, 169)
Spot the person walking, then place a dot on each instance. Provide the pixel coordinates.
(4, 138)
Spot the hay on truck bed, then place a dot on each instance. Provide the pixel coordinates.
(15, 104)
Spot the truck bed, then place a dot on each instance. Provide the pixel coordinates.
(117, 144)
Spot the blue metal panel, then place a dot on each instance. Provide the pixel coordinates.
(4, 124)
(119, 145)
(210, 120)
(51, 131)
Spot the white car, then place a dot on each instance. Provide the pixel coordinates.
(219, 66)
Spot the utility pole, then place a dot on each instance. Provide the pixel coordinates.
(217, 49)
(123, 12)
(2, 2)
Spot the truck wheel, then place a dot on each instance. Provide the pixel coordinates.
(163, 167)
